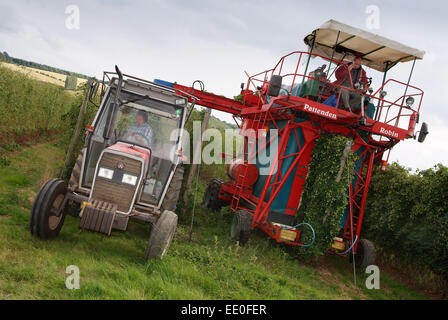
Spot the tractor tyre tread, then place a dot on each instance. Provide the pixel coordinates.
(43, 202)
(368, 253)
(161, 235)
(76, 172)
(243, 227)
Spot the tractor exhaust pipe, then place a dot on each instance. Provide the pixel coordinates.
(110, 116)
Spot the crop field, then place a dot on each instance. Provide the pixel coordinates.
(41, 75)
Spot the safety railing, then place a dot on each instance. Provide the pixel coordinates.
(395, 102)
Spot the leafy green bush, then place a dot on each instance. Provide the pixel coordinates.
(408, 213)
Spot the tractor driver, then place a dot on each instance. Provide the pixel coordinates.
(141, 131)
(352, 99)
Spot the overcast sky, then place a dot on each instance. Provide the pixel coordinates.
(215, 41)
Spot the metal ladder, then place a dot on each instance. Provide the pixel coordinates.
(258, 123)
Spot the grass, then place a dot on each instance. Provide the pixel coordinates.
(208, 267)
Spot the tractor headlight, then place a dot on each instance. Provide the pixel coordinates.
(129, 179)
(409, 101)
(105, 173)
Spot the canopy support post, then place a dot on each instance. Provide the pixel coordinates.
(405, 91)
(386, 68)
(332, 54)
(309, 56)
(409, 80)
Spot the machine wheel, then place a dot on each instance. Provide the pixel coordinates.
(211, 199)
(76, 172)
(366, 254)
(162, 234)
(241, 227)
(73, 207)
(44, 223)
(173, 192)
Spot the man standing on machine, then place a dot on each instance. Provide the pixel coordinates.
(358, 76)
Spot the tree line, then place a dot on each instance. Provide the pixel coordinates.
(4, 56)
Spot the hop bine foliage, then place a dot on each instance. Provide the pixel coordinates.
(407, 213)
(324, 199)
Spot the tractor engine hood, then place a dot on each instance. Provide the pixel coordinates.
(120, 171)
(132, 150)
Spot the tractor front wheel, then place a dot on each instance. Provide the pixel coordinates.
(162, 234)
(365, 254)
(47, 214)
(241, 227)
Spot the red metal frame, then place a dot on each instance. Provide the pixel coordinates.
(256, 115)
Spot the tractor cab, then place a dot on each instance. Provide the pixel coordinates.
(138, 122)
(129, 167)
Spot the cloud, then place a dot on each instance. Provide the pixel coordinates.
(424, 155)
(216, 41)
(9, 21)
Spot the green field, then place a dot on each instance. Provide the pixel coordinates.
(208, 267)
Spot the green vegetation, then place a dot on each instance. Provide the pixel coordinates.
(323, 203)
(408, 214)
(208, 267)
(220, 124)
(211, 170)
(29, 108)
(70, 82)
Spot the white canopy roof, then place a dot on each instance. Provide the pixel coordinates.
(377, 51)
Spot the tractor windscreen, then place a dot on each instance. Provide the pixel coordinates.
(149, 128)
(144, 122)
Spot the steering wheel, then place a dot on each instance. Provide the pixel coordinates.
(141, 136)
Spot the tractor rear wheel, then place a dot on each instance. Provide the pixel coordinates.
(76, 172)
(241, 227)
(211, 198)
(173, 193)
(47, 214)
(73, 208)
(365, 254)
(162, 234)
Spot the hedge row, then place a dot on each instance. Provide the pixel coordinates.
(408, 213)
(28, 105)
